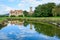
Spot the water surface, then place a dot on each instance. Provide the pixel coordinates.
(23, 30)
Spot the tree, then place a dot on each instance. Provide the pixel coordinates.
(44, 10)
(12, 16)
(20, 16)
(25, 13)
(56, 10)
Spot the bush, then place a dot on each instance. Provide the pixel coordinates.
(20, 16)
(12, 15)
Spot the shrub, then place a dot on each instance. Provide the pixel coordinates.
(20, 16)
(12, 15)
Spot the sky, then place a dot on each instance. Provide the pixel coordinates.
(7, 5)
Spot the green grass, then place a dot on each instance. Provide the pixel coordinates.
(33, 18)
(2, 18)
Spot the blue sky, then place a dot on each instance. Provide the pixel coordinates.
(7, 5)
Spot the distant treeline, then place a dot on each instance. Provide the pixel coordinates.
(4, 15)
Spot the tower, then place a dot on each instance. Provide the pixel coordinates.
(31, 26)
(30, 11)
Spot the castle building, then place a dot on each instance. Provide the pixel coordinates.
(16, 12)
(19, 12)
(31, 11)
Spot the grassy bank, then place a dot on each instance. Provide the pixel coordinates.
(2, 19)
(33, 18)
(51, 20)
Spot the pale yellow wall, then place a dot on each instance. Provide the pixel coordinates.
(16, 13)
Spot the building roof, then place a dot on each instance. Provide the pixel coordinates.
(16, 11)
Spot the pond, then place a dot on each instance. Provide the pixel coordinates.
(27, 30)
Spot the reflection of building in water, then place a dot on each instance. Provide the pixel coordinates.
(16, 22)
(30, 26)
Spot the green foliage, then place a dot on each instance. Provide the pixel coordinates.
(56, 11)
(47, 29)
(20, 16)
(44, 10)
(2, 25)
(25, 13)
(12, 16)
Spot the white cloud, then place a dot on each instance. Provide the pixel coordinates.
(46, 1)
(37, 2)
(31, 2)
(24, 4)
(28, 3)
(4, 9)
(21, 5)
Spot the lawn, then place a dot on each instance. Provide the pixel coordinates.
(32, 18)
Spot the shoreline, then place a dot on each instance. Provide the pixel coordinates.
(50, 20)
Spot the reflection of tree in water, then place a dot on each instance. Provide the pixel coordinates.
(31, 26)
(58, 32)
(25, 23)
(46, 29)
(1, 26)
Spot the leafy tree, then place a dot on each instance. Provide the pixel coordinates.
(56, 11)
(13, 16)
(44, 10)
(2, 25)
(20, 16)
(25, 13)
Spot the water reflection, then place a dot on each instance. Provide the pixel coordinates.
(47, 30)
(24, 30)
(17, 22)
(2, 25)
